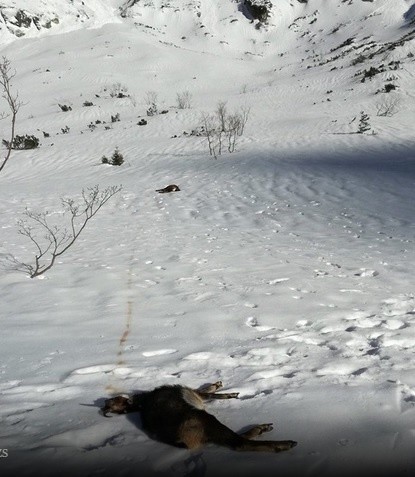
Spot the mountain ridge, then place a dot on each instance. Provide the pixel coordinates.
(202, 18)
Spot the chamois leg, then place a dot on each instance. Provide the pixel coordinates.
(256, 431)
(219, 434)
(210, 388)
(208, 392)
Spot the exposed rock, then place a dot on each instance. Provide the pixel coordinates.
(18, 21)
(124, 8)
(23, 19)
(259, 9)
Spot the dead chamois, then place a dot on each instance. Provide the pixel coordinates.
(176, 415)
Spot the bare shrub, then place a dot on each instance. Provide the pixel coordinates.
(222, 129)
(184, 100)
(13, 103)
(388, 106)
(117, 90)
(151, 100)
(233, 126)
(243, 115)
(221, 113)
(213, 133)
(52, 241)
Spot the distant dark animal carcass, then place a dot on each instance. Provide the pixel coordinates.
(169, 188)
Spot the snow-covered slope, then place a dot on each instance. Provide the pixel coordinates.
(43, 17)
(283, 269)
(220, 21)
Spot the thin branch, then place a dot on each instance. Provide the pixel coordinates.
(56, 240)
(222, 126)
(388, 107)
(13, 102)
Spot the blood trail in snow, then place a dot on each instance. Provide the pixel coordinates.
(114, 386)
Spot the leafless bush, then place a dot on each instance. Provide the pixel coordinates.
(221, 113)
(388, 107)
(52, 241)
(244, 89)
(234, 128)
(222, 129)
(243, 114)
(184, 100)
(214, 134)
(13, 103)
(151, 100)
(117, 90)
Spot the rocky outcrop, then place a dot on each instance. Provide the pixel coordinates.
(259, 9)
(18, 21)
(23, 18)
(126, 6)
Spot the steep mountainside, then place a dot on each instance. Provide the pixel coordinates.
(225, 20)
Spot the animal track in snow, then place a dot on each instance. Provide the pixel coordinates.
(403, 305)
(394, 324)
(370, 322)
(358, 314)
(339, 368)
(252, 322)
(303, 323)
(364, 272)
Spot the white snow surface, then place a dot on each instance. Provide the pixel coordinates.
(284, 269)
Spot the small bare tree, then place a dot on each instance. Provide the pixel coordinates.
(222, 127)
(151, 100)
(214, 133)
(388, 106)
(233, 126)
(117, 90)
(244, 113)
(184, 100)
(221, 113)
(57, 240)
(208, 127)
(13, 103)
